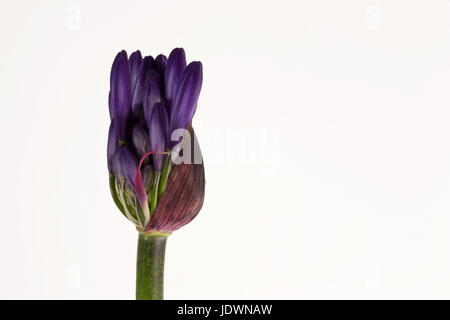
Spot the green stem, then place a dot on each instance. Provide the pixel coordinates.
(150, 266)
(154, 193)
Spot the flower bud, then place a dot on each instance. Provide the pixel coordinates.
(121, 93)
(135, 65)
(161, 63)
(113, 141)
(141, 139)
(152, 96)
(159, 126)
(147, 98)
(124, 166)
(186, 96)
(175, 67)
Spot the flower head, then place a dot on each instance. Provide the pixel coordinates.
(148, 100)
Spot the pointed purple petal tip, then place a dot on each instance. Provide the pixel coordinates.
(186, 96)
(175, 67)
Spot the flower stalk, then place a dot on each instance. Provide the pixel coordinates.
(150, 266)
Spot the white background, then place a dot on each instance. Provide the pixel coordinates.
(325, 129)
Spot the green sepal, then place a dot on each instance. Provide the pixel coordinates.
(154, 193)
(134, 207)
(127, 202)
(164, 175)
(129, 208)
(113, 189)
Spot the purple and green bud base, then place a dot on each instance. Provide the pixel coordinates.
(149, 100)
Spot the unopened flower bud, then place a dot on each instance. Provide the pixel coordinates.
(149, 99)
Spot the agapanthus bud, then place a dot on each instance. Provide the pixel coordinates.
(175, 66)
(141, 139)
(161, 63)
(148, 99)
(135, 65)
(147, 175)
(124, 166)
(113, 141)
(186, 96)
(121, 93)
(152, 96)
(159, 126)
(138, 92)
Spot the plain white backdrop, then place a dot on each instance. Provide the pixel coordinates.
(325, 131)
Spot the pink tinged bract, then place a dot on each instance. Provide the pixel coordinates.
(181, 201)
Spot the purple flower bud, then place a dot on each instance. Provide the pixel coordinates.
(113, 142)
(175, 67)
(135, 65)
(146, 73)
(161, 62)
(153, 75)
(147, 174)
(121, 92)
(110, 106)
(147, 97)
(138, 92)
(124, 165)
(158, 130)
(148, 62)
(141, 140)
(186, 96)
(152, 96)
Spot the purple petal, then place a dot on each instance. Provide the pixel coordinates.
(113, 143)
(141, 140)
(147, 173)
(152, 96)
(186, 96)
(145, 74)
(175, 67)
(124, 165)
(138, 92)
(135, 65)
(161, 62)
(110, 106)
(148, 62)
(158, 126)
(121, 92)
(153, 75)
